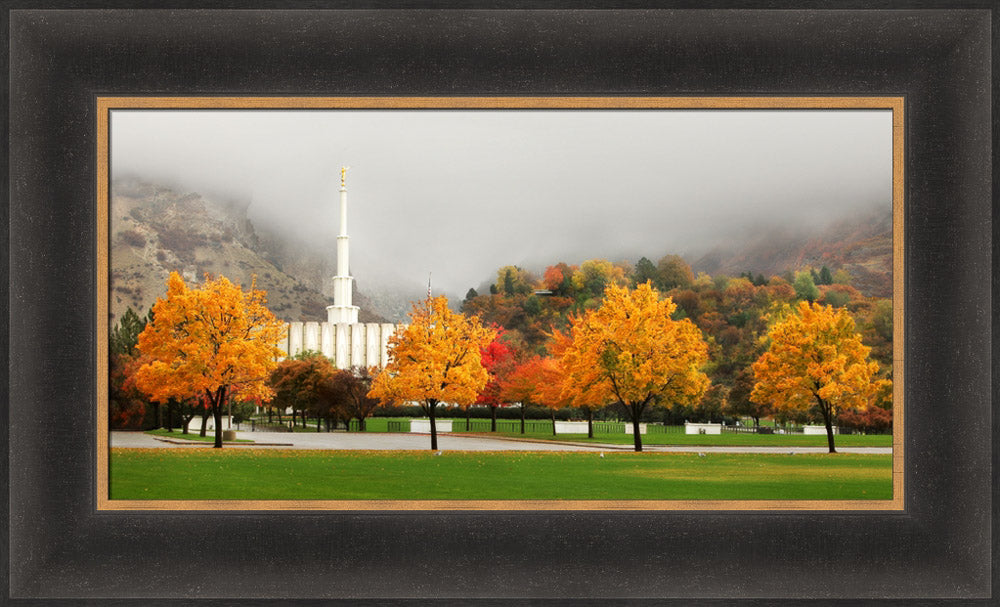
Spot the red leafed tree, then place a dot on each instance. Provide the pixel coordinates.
(498, 359)
(870, 420)
(127, 402)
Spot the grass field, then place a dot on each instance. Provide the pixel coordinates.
(380, 424)
(256, 474)
(742, 440)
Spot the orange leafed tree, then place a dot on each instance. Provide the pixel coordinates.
(632, 349)
(537, 380)
(215, 341)
(816, 359)
(580, 385)
(436, 359)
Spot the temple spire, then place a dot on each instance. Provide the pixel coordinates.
(342, 310)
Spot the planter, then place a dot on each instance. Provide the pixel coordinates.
(690, 428)
(423, 426)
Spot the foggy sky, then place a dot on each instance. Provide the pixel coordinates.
(461, 193)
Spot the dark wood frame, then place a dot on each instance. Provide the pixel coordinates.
(939, 547)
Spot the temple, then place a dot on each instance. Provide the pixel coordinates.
(342, 338)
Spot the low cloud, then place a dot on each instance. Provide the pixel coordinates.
(461, 193)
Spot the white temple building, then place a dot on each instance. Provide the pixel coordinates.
(342, 338)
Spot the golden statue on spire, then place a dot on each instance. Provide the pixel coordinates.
(343, 176)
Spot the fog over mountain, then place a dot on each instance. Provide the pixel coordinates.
(461, 193)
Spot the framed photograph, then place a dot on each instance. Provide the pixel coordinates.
(567, 179)
(476, 140)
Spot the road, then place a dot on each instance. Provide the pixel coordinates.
(448, 442)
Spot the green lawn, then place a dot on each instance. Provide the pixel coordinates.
(726, 439)
(675, 437)
(257, 474)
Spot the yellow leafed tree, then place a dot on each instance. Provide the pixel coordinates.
(436, 359)
(215, 341)
(631, 349)
(816, 359)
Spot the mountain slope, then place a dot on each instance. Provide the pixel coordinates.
(155, 230)
(862, 246)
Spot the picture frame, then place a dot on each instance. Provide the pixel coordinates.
(63, 547)
(107, 106)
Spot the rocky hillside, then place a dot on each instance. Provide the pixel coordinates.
(862, 246)
(156, 230)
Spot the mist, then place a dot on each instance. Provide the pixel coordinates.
(458, 194)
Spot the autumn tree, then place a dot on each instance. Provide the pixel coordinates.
(296, 382)
(354, 384)
(673, 272)
(816, 360)
(640, 354)
(593, 277)
(578, 385)
(514, 280)
(498, 359)
(539, 381)
(215, 340)
(738, 401)
(127, 404)
(435, 359)
(559, 279)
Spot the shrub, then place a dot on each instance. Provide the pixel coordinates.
(133, 238)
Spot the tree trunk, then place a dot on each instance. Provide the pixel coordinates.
(170, 417)
(204, 421)
(636, 410)
(431, 404)
(319, 427)
(522, 418)
(590, 423)
(828, 419)
(468, 418)
(270, 412)
(218, 401)
(493, 418)
(553, 411)
(361, 424)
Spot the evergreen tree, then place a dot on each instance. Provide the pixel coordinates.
(825, 276)
(126, 332)
(645, 271)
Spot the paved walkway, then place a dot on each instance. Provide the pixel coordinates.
(446, 442)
